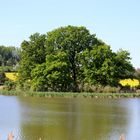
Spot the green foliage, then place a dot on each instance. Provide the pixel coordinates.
(10, 85)
(32, 53)
(100, 89)
(2, 78)
(9, 56)
(72, 41)
(98, 65)
(68, 58)
(124, 68)
(38, 82)
(57, 72)
(101, 66)
(6, 68)
(137, 74)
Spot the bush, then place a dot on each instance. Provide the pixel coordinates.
(2, 78)
(109, 89)
(6, 68)
(10, 85)
(100, 89)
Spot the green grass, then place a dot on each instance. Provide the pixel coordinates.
(69, 94)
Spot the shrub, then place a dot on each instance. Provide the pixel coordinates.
(10, 85)
(109, 89)
(2, 78)
(100, 89)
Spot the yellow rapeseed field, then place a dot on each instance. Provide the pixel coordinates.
(11, 75)
(129, 82)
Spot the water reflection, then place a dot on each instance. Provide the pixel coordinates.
(134, 124)
(69, 119)
(72, 119)
(9, 116)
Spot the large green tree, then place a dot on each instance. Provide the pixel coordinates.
(71, 41)
(68, 57)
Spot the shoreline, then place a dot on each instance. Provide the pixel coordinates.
(69, 94)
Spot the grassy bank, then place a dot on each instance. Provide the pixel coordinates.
(69, 94)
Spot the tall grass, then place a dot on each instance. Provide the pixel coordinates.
(99, 89)
(69, 94)
(122, 137)
(11, 137)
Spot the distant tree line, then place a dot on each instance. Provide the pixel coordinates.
(68, 58)
(9, 56)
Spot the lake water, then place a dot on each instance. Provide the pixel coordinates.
(69, 118)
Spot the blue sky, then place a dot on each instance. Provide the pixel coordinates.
(116, 22)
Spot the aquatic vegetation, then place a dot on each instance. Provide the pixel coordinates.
(70, 94)
(122, 137)
(11, 137)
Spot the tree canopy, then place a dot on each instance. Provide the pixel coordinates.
(69, 57)
(32, 53)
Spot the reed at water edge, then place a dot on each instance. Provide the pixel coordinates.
(11, 137)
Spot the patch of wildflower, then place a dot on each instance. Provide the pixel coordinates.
(129, 82)
(11, 76)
